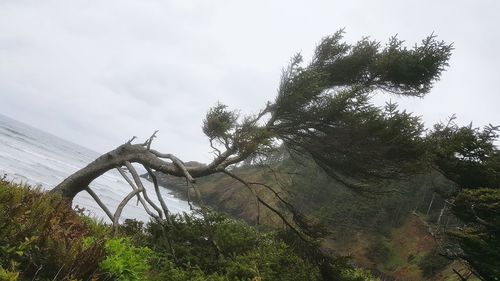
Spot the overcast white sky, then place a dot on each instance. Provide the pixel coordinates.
(98, 72)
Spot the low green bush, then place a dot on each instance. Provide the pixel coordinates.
(124, 261)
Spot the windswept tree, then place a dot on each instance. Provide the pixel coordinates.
(323, 109)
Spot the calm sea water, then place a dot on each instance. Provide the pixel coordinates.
(29, 155)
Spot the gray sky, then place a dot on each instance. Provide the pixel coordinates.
(98, 72)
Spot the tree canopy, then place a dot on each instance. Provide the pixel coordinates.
(469, 157)
(324, 108)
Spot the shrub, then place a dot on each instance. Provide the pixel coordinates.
(124, 261)
(41, 231)
(432, 263)
(219, 248)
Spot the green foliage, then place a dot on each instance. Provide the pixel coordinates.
(41, 231)
(124, 261)
(220, 248)
(272, 260)
(66, 246)
(432, 263)
(6, 275)
(357, 275)
(467, 155)
(97, 229)
(479, 206)
(479, 238)
(171, 272)
(324, 109)
(219, 122)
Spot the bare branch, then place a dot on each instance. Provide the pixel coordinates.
(141, 188)
(148, 142)
(120, 207)
(178, 163)
(197, 193)
(254, 193)
(218, 152)
(268, 187)
(99, 202)
(157, 190)
(124, 175)
(190, 180)
(136, 153)
(131, 140)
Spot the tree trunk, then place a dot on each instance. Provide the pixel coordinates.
(78, 181)
(140, 153)
(116, 158)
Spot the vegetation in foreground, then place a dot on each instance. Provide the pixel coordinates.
(323, 110)
(41, 238)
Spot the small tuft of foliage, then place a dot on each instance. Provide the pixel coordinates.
(357, 275)
(6, 275)
(219, 122)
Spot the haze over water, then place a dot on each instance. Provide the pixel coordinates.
(38, 158)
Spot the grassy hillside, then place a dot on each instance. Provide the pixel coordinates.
(384, 229)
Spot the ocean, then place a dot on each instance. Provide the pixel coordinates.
(29, 155)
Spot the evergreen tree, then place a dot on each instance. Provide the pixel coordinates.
(469, 157)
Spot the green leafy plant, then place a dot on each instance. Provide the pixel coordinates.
(124, 261)
(6, 275)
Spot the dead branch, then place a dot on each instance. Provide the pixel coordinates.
(139, 184)
(138, 194)
(178, 163)
(131, 140)
(157, 190)
(249, 187)
(100, 203)
(148, 142)
(120, 207)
